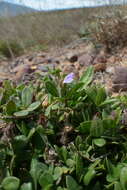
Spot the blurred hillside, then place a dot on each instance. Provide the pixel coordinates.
(42, 30)
(9, 9)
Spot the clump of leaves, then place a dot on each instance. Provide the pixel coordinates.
(61, 134)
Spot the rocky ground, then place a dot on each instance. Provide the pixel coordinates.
(110, 69)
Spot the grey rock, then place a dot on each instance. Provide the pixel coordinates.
(120, 75)
(46, 67)
(110, 70)
(85, 60)
(119, 87)
(30, 58)
(120, 79)
(72, 58)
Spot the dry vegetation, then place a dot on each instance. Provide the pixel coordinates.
(44, 29)
(111, 31)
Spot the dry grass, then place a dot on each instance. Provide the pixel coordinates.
(111, 31)
(49, 28)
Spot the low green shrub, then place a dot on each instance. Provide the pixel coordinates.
(10, 49)
(62, 134)
(83, 32)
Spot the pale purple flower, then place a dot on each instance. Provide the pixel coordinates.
(69, 78)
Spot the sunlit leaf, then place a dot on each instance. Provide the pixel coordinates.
(89, 176)
(46, 180)
(72, 184)
(27, 96)
(21, 113)
(99, 142)
(123, 178)
(26, 186)
(87, 76)
(10, 183)
(34, 106)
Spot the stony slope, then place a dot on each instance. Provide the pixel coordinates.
(110, 70)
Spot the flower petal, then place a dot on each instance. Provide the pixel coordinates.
(69, 78)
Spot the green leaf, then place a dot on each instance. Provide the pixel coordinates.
(34, 106)
(79, 166)
(27, 96)
(93, 166)
(109, 123)
(21, 113)
(87, 76)
(109, 166)
(37, 168)
(118, 115)
(101, 96)
(78, 141)
(70, 163)
(48, 110)
(65, 170)
(1, 94)
(61, 188)
(26, 186)
(109, 101)
(92, 93)
(116, 105)
(117, 186)
(10, 107)
(71, 183)
(74, 89)
(10, 183)
(89, 176)
(31, 133)
(9, 90)
(114, 171)
(46, 180)
(7, 84)
(51, 88)
(110, 169)
(62, 153)
(85, 127)
(19, 143)
(97, 128)
(99, 142)
(58, 171)
(123, 178)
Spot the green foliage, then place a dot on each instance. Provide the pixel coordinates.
(62, 136)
